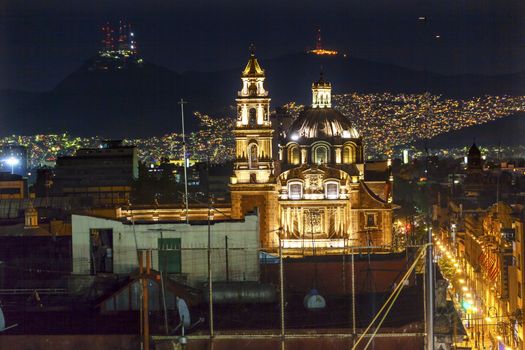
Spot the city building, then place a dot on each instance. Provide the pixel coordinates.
(322, 198)
(103, 245)
(103, 174)
(12, 186)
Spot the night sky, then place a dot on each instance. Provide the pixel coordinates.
(43, 41)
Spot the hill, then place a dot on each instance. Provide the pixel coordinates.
(142, 101)
(507, 131)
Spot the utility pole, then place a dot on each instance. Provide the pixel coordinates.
(430, 293)
(353, 296)
(226, 256)
(281, 286)
(181, 103)
(143, 277)
(210, 282)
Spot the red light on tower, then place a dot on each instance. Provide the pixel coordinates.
(318, 40)
(319, 46)
(122, 37)
(107, 37)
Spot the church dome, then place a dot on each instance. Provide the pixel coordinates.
(321, 123)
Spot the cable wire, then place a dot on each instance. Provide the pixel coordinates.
(392, 296)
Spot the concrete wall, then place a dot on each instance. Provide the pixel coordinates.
(243, 244)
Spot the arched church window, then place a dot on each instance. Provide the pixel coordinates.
(252, 90)
(349, 154)
(252, 117)
(294, 155)
(252, 155)
(295, 190)
(320, 154)
(239, 113)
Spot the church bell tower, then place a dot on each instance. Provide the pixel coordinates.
(253, 182)
(253, 130)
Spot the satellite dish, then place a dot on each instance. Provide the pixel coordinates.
(2, 322)
(314, 301)
(184, 313)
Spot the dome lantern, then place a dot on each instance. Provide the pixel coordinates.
(321, 93)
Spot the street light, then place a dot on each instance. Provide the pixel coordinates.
(12, 161)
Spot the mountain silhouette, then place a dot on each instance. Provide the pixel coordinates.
(142, 101)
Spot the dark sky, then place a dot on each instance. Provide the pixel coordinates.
(42, 41)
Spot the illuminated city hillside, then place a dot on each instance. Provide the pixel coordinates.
(384, 120)
(387, 120)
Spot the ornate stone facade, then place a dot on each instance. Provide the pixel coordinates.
(320, 199)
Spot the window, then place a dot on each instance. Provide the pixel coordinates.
(294, 155)
(320, 154)
(295, 191)
(349, 154)
(332, 190)
(252, 117)
(169, 255)
(252, 156)
(370, 220)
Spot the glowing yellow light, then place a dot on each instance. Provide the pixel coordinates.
(498, 337)
(323, 52)
(461, 280)
(488, 319)
(464, 288)
(468, 295)
(458, 270)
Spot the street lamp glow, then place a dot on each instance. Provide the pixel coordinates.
(12, 161)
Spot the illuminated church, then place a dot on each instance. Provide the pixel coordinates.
(315, 192)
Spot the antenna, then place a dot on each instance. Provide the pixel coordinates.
(182, 102)
(318, 40)
(107, 37)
